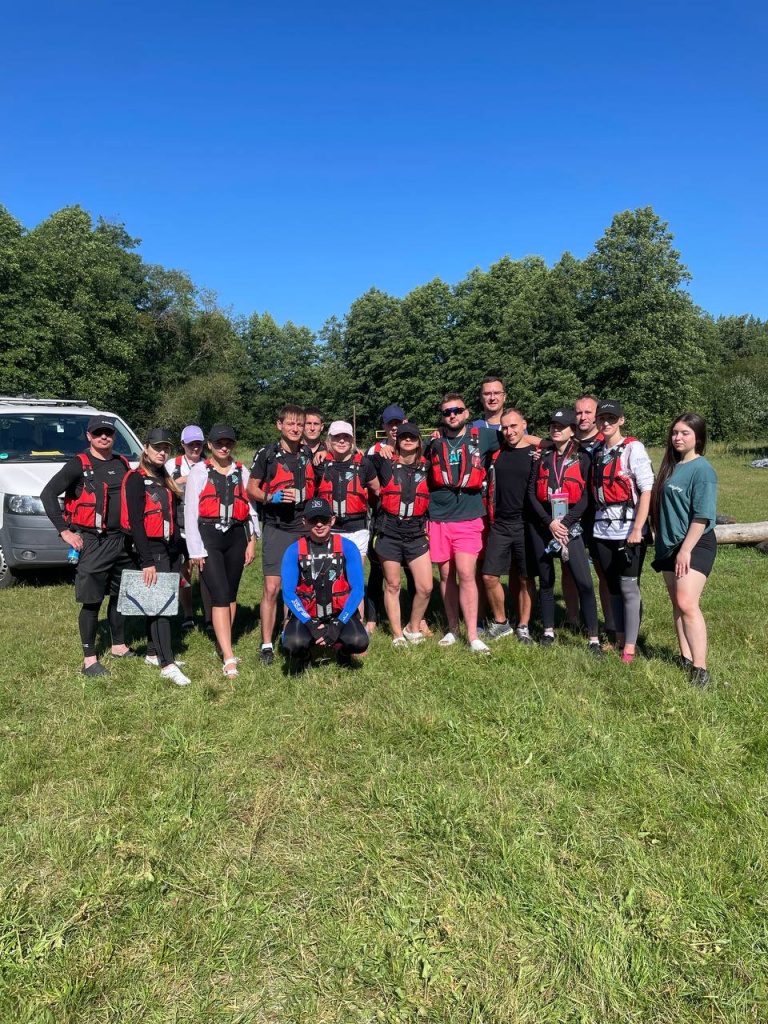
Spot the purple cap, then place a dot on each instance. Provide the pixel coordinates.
(192, 433)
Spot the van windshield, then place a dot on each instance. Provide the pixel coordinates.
(53, 437)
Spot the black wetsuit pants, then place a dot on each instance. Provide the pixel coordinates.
(579, 565)
(297, 639)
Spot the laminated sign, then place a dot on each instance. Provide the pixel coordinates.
(136, 598)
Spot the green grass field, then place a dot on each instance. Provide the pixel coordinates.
(538, 837)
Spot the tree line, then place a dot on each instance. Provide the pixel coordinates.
(82, 315)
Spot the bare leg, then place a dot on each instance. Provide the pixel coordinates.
(269, 607)
(685, 593)
(466, 569)
(525, 598)
(421, 568)
(391, 571)
(495, 593)
(222, 624)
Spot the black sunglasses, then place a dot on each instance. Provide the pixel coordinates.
(323, 520)
(455, 410)
(102, 433)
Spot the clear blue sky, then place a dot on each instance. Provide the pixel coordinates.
(289, 156)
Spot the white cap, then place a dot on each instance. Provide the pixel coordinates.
(341, 427)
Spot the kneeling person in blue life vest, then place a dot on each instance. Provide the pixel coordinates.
(323, 584)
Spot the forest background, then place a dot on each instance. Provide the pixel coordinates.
(82, 315)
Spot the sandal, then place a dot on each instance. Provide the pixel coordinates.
(447, 641)
(229, 668)
(399, 641)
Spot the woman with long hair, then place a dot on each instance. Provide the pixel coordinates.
(150, 514)
(400, 539)
(221, 527)
(684, 513)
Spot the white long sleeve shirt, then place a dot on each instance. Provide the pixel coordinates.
(198, 475)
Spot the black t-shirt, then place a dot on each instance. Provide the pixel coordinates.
(513, 470)
(285, 515)
(105, 471)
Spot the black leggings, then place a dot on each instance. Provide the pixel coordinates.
(159, 627)
(297, 639)
(224, 562)
(89, 625)
(622, 566)
(579, 565)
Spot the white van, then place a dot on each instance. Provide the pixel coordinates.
(37, 436)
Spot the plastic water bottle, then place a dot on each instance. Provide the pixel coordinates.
(73, 556)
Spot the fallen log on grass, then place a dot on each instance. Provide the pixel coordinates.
(741, 533)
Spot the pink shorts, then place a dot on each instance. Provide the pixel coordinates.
(449, 539)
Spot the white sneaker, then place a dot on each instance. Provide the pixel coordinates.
(399, 641)
(174, 673)
(478, 647)
(447, 641)
(154, 661)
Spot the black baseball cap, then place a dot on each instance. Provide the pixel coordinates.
(100, 422)
(609, 408)
(317, 508)
(408, 430)
(158, 435)
(222, 432)
(564, 417)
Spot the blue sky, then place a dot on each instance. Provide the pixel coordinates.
(291, 156)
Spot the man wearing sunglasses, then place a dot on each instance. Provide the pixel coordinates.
(323, 584)
(91, 484)
(457, 513)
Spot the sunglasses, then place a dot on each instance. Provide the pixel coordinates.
(320, 520)
(455, 410)
(102, 433)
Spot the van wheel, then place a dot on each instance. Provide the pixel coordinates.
(7, 578)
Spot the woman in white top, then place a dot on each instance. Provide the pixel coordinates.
(221, 527)
(178, 467)
(622, 481)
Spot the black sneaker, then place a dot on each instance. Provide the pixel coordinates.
(594, 649)
(97, 669)
(267, 656)
(343, 660)
(684, 663)
(700, 678)
(187, 625)
(546, 640)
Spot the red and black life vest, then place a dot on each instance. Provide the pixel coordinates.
(158, 508)
(341, 484)
(226, 503)
(279, 474)
(610, 484)
(323, 587)
(471, 469)
(88, 507)
(490, 495)
(177, 464)
(570, 480)
(406, 493)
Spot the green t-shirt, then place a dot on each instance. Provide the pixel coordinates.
(690, 493)
(451, 506)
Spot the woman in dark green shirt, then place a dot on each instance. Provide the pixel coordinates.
(684, 509)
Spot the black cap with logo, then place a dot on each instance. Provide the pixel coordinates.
(609, 408)
(317, 508)
(100, 422)
(222, 432)
(408, 430)
(563, 417)
(159, 435)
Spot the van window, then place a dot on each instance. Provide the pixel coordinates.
(53, 437)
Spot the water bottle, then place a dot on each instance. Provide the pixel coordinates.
(553, 547)
(73, 556)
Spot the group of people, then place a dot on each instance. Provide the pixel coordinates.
(479, 500)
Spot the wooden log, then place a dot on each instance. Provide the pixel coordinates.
(742, 533)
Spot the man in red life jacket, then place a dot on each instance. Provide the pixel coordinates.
(322, 579)
(456, 461)
(283, 479)
(91, 484)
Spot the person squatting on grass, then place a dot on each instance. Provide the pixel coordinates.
(622, 479)
(684, 513)
(323, 586)
(151, 499)
(90, 523)
(221, 528)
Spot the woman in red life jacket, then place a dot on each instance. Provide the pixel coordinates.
(561, 475)
(622, 481)
(346, 479)
(401, 531)
(193, 443)
(149, 513)
(221, 528)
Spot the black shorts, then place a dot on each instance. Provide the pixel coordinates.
(400, 549)
(702, 556)
(101, 564)
(508, 545)
(274, 543)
